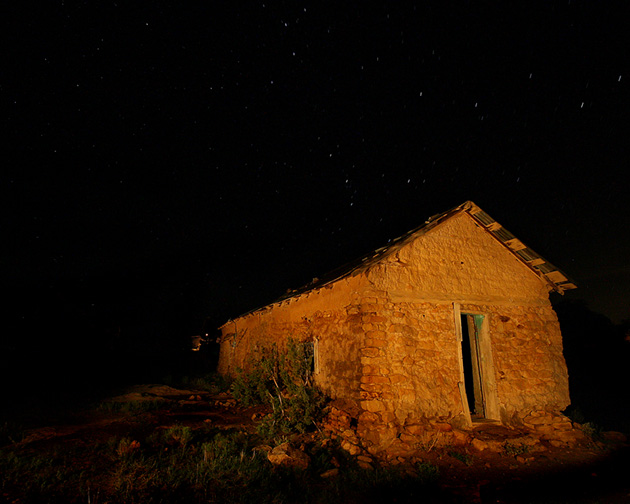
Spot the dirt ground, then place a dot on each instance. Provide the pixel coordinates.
(596, 471)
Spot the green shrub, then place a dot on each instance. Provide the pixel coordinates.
(251, 388)
(284, 381)
(592, 430)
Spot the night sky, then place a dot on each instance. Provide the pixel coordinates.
(168, 166)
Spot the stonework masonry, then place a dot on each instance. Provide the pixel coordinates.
(386, 340)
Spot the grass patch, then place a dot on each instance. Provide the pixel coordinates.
(466, 458)
(178, 465)
(54, 476)
(141, 462)
(514, 449)
(381, 484)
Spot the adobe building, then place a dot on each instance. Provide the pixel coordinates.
(446, 326)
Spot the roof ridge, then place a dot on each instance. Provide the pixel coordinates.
(558, 280)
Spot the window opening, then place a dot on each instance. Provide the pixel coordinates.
(311, 351)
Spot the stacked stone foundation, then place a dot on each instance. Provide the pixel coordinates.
(367, 437)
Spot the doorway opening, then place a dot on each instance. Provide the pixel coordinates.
(473, 364)
(477, 383)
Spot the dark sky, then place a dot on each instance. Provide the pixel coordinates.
(167, 162)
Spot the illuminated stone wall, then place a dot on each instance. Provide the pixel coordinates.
(387, 338)
(329, 315)
(529, 365)
(460, 262)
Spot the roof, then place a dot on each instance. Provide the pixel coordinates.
(557, 280)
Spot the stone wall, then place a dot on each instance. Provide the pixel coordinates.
(339, 336)
(330, 317)
(530, 369)
(409, 358)
(458, 261)
(386, 339)
(410, 369)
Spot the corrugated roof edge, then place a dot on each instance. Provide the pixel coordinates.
(558, 280)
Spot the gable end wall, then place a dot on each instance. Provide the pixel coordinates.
(387, 339)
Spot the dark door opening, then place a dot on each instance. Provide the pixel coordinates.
(473, 382)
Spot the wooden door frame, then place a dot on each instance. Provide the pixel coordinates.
(486, 365)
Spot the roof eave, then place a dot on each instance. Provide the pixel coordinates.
(547, 272)
(556, 278)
